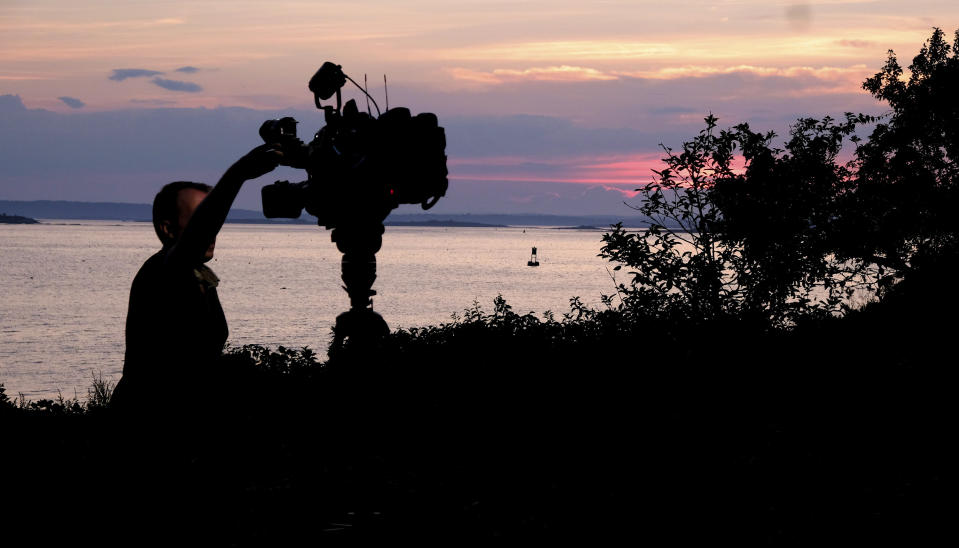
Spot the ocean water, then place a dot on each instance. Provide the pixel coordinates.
(64, 287)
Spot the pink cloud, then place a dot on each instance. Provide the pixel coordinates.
(626, 193)
(630, 171)
(633, 168)
(623, 174)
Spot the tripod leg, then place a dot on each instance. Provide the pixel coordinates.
(359, 273)
(360, 324)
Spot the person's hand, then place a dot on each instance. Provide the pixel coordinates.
(259, 161)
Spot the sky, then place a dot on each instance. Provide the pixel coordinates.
(550, 106)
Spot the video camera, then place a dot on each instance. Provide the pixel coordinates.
(359, 167)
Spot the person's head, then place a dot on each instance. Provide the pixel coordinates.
(173, 207)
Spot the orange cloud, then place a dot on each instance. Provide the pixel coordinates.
(576, 49)
(562, 73)
(19, 77)
(693, 71)
(60, 26)
(822, 80)
(827, 45)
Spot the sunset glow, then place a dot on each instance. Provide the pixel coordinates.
(615, 78)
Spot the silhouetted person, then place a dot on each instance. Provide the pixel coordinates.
(175, 329)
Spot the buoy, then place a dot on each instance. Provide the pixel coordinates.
(532, 259)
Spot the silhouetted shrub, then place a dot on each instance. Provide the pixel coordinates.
(908, 180)
(282, 361)
(742, 229)
(99, 393)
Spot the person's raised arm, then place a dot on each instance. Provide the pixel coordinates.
(208, 219)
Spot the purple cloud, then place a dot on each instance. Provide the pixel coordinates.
(122, 74)
(153, 101)
(11, 103)
(72, 102)
(177, 85)
(187, 69)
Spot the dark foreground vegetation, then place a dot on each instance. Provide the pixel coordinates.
(505, 426)
(727, 392)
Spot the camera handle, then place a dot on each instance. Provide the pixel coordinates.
(361, 325)
(328, 109)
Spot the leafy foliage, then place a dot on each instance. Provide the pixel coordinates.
(6, 404)
(98, 397)
(908, 180)
(745, 235)
(282, 361)
(679, 266)
(580, 324)
(783, 214)
(741, 228)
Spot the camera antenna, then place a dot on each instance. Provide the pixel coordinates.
(368, 97)
(387, 91)
(367, 86)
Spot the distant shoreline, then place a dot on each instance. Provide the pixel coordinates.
(17, 220)
(404, 216)
(444, 223)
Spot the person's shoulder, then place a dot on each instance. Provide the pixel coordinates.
(153, 264)
(155, 270)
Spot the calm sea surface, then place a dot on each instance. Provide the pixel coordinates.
(64, 287)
